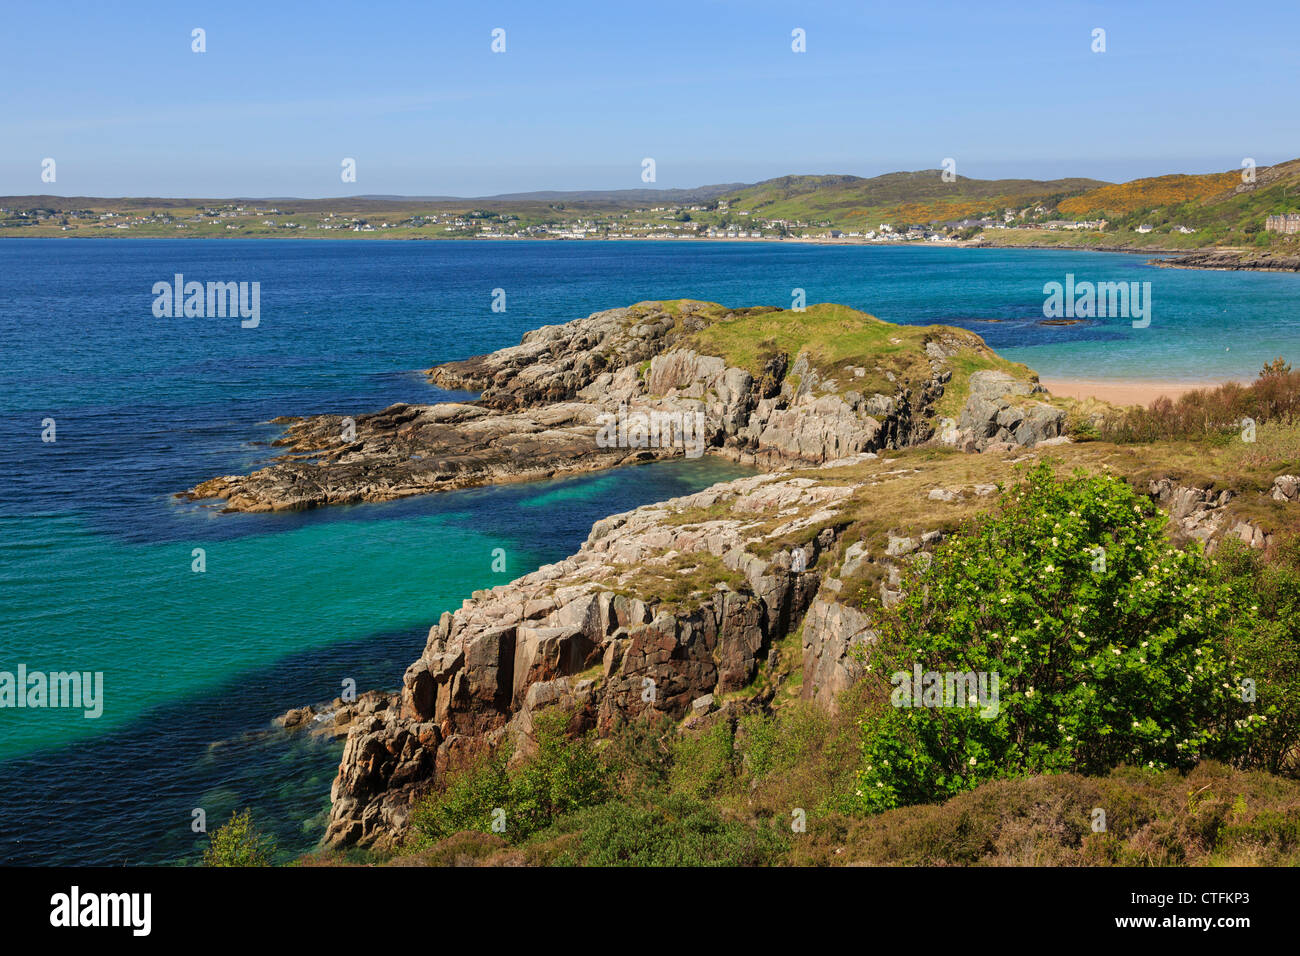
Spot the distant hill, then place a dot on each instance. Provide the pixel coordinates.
(1219, 206)
(595, 198)
(629, 196)
(1184, 212)
(921, 196)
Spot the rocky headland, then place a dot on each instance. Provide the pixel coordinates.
(767, 387)
(1232, 260)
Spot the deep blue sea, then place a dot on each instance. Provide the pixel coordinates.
(96, 555)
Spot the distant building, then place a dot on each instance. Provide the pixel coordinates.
(1144, 228)
(1288, 223)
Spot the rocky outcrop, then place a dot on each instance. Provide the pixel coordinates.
(1286, 488)
(592, 633)
(1202, 514)
(554, 362)
(332, 720)
(618, 386)
(1001, 410)
(1233, 261)
(833, 633)
(418, 449)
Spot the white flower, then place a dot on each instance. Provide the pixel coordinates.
(972, 761)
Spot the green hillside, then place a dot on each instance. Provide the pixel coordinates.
(921, 197)
(1222, 208)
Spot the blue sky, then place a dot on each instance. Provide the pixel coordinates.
(585, 90)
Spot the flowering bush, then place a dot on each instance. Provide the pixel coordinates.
(1107, 643)
(1119, 199)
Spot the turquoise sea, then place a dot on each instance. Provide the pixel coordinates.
(96, 554)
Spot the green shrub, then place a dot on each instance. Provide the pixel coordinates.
(671, 830)
(1213, 815)
(638, 753)
(756, 743)
(1212, 414)
(1099, 663)
(1269, 654)
(772, 744)
(704, 762)
(239, 843)
(467, 802)
(564, 775)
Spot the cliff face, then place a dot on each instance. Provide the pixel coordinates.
(649, 381)
(654, 613)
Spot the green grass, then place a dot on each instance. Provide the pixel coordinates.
(838, 339)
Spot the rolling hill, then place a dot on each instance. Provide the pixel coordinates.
(921, 196)
(1221, 207)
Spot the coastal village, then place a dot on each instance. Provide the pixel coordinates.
(1175, 211)
(712, 221)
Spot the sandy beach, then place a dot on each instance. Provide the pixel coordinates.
(1122, 393)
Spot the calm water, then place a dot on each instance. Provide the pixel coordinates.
(95, 554)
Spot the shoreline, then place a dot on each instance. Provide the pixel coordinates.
(809, 241)
(1212, 257)
(1213, 254)
(1124, 391)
